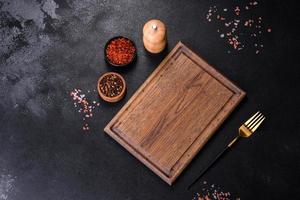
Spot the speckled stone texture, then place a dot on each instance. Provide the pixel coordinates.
(50, 47)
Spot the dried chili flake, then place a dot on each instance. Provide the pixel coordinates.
(120, 51)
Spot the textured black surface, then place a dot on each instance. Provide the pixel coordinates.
(48, 48)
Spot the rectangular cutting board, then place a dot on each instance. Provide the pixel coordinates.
(174, 113)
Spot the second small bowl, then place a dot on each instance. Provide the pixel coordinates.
(111, 87)
(109, 61)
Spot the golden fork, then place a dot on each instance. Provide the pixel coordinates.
(246, 130)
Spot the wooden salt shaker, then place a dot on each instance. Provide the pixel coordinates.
(155, 36)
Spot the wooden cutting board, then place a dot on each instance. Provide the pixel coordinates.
(174, 113)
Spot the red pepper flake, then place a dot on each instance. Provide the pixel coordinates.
(120, 51)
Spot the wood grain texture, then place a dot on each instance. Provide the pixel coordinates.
(174, 113)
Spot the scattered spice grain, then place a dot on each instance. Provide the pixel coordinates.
(236, 28)
(213, 192)
(83, 106)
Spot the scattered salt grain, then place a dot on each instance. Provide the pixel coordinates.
(81, 102)
(251, 29)
(237, 10)
(213, 192)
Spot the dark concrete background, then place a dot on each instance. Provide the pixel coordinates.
(48, 48)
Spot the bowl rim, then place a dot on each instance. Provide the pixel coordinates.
(116, 65)
(119, 96)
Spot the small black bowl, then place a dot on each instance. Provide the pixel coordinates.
(116, 65)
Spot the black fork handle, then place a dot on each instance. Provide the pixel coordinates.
(211, 163)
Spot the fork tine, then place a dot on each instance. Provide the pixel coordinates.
(256, 121)
(252, 119)
(249, 120)
(257, 124)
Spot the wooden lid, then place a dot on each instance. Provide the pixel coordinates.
(154, 31)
